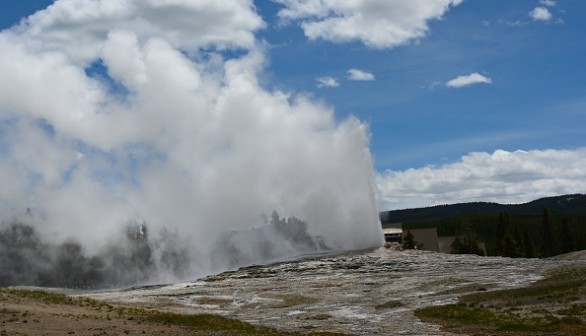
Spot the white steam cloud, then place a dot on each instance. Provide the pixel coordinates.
(123, 110)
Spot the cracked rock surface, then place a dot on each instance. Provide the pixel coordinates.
(361, 293)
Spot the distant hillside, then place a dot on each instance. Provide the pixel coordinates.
(568, 205)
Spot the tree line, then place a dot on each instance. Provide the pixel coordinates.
(538, 235)
(546, 238)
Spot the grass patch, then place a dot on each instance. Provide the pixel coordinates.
(291, 300)
(209, 300)
(205, 322)
(456, 316)
(441, 282)
(45, 297)
(465, 289)
(54, 298)
(389, 305)
(220, 325)
(575, 309)
(199, 324)
(551, 305)
(535, 294)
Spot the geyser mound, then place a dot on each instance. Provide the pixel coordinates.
(118, 115)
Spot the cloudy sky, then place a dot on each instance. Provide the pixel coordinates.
(464, 100)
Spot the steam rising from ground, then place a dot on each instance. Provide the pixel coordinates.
(118, 112)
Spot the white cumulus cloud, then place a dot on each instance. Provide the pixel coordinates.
(549, 3)
(473, 78)
(540, 14)
(327, 81)
(183, 24)
(376, 23)
(359, 75)
(503, 177)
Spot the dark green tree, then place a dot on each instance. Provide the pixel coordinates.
(458, 246)
(22, 253)
(566, 237)
(501, 228)
(518, 240)
(511, 246)
(548, 246)
(141, 254)
(467, 242)
(71, 269)
(528, 245)
(409, 242)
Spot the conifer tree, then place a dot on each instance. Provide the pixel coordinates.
(528, 245)
(500, 234)
(548, 247)
(467, 242)
(566, 237)
(510, 246)
(518, 240)
(409, 242)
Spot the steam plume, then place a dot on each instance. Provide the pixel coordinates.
(124, 111)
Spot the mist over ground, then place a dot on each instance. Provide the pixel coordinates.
(122, 116)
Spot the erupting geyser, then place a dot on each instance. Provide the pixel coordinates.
(146, 148)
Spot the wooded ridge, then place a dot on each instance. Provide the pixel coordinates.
(542, 228)
(569, 205)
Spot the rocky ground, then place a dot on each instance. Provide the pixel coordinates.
(367, 293)
(362, 293)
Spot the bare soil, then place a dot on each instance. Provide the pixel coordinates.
(32, 316)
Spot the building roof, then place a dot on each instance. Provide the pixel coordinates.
(392, 231)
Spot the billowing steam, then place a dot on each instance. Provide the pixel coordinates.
(141, 140)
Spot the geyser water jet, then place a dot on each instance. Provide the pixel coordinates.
(116, 112)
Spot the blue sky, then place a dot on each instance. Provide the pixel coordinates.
(522, 88)
(536, 99)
